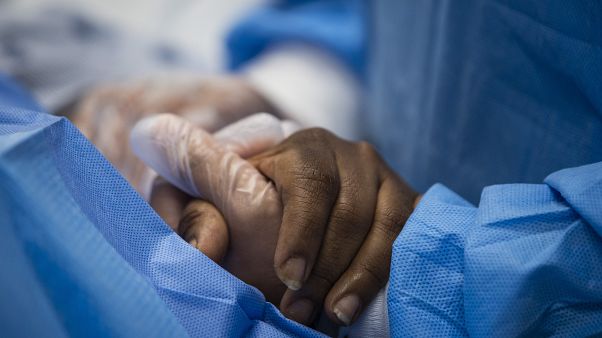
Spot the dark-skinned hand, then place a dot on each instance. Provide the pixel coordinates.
(315, 213)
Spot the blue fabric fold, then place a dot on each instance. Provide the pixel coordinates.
(427, 271)
(526, 262)
(101, 262)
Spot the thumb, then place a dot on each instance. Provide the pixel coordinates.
(203, 226)
(253, 134)
(192, 160)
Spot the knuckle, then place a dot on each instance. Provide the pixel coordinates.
(324, 275)
(311, 136)
(320, 133)
(368, 151)
(315, 178)
(316, 133)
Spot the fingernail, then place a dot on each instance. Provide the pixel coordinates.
(194, 242)
(346, 308)
(301, 310)
(292, 272)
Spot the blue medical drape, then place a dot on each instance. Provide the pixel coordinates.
(83, 255)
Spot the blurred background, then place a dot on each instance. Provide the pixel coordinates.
(60, 48)
(107, 64)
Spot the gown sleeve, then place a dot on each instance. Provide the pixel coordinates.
(525, 262)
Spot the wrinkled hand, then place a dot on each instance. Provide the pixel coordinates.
(343, 209)
(107, 114)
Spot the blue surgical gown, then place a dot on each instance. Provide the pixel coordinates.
(489, 102)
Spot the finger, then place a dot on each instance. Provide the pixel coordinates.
(349, 222)
(308, 193)
(204, 227)
(86, 114)
(290, 127)
(168, 201)
(251, 135)
(192, 160)
(369, 271)
(162, 142)
(106, 117)
(196, 221)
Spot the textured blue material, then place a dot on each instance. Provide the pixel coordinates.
(526, 262)
(335, 25)
(425, 295)
(467, 93)
(485, 92)
(480, 92)
(13, 95)
(83, 255)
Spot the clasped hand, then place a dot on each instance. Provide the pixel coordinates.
(309, 220)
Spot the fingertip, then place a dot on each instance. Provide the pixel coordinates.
(292, 272)
(298, 306)
(203, 226)
(354, 291)
(146, 128)
(300, 310)
(347, 309)
(143, 140)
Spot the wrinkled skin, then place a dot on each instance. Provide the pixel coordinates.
(334, 204)
(303, 203)
(343, 208)
(107, 114)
